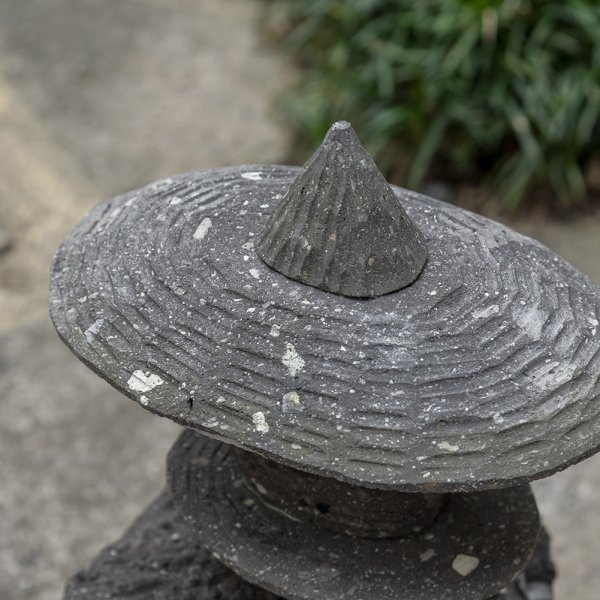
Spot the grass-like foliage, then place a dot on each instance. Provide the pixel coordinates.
(507, 89)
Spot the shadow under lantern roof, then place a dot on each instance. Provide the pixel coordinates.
(339, 325)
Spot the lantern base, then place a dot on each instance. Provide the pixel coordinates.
(478, 543)
(156, 559)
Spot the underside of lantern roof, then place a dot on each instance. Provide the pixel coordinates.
(482, 372)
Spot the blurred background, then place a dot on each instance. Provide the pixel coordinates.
(491, 104)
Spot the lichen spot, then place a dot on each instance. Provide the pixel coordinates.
(252, 176)
(290, 401)
(484, 313)
(260, 423)
(448, 447)
(93, 330)
(292, 360)
(464, 564)
(202, 229)
(141, 381)
(427, 555)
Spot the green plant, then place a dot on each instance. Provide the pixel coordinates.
(504, 89)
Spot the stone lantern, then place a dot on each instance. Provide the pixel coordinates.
(369, 379)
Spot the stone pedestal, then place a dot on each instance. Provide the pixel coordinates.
(157, 560)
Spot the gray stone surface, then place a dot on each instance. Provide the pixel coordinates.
(478, 544)
(157, 558)
(340, 228)
(462, 381)
(73, 477)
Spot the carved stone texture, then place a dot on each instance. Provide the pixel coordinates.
(156, 560)
(481, 374)
(340, 227)
(478, 544)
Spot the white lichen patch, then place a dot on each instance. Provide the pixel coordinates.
(290, 401)
(532, 321)
(275, 330)
(260, 423)
(144, 400)
(486, 312)
(292, 360)
(255, 273)
(447, 446)
(552, 375)
(252, 176)
(93, 330)
(175, 200)
(202, 229)
(141, 381)
(427, 555)
(464, 564)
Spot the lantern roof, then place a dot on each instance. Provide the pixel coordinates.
(464, 356)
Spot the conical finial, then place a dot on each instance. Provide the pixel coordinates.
(340, 227)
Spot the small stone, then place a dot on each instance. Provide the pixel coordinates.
(260, 423)
(427, 555)
(448, 447)
(290, 402)
(202, 229)
(252, 176)
(93, 330)
(464, 564)
(292, 360)
(143, 382)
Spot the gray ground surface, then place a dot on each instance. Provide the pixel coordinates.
(97, 97)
